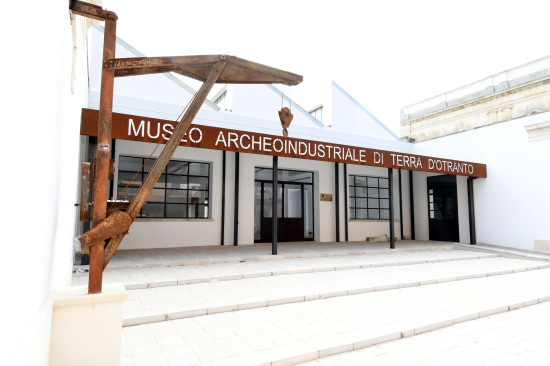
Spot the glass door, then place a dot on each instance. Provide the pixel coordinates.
(294, 209)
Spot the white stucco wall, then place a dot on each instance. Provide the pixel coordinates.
(511, 203)
(41, 145)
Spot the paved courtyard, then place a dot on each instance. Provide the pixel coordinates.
(424, 303)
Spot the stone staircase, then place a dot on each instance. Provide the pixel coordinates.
(298, 308)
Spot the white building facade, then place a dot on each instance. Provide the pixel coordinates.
(212, 201)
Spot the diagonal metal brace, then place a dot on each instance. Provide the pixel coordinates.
(147, 187)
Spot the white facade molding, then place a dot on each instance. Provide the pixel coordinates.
(538, 132)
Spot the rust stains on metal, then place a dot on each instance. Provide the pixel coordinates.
(116, 223)
(237, 70)
(286, 118)
(85, 181)
(111, 169)
(103, 156)
(91, 11)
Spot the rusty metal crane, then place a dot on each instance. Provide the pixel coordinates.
(113, 225)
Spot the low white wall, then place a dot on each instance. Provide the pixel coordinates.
(94, 321)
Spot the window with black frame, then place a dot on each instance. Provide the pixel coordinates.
(181, 191)
(369, 198)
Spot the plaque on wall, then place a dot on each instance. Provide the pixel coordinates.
(326, 197)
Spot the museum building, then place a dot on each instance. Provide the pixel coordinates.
(342, 174)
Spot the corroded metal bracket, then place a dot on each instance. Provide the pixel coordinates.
(91, 11)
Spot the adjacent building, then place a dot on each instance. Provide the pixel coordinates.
(504, 121)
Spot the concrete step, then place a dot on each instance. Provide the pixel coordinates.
(174, 302)
(299, 332)
(148, 277)
(519, 337)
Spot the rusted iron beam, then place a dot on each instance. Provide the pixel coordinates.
(288, 78)
(195, 73)
(91, 11)
(139, 62)
(146, 188)
(85, 181)
(198, 67)
(117, 222)
(102, 168)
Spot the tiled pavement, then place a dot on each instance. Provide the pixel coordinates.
(374, 298)
(167, 273)
(519, 337)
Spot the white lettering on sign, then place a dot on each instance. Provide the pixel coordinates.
(446, 166)
(244, 135)
(406, 161)
(275, 148)
(290, 147)
(316, 150)
(362, 158)
(149, 134)
(233, 137)
(154, 130)
(221, 137)
(195, 135)
(168, 129)
(132, 128)
(378, 158)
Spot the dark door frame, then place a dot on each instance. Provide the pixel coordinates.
(446, 226)
(280, 223)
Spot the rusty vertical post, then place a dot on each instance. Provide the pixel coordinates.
(101, 184)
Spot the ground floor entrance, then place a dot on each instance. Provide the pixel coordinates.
(294, 205)
(443, 208)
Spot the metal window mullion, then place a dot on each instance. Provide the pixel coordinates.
(379, 200)
(165, 186)
(282, 200)
(142, 172)
(302, 194)
(187, 191)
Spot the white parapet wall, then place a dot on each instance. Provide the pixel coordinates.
(87, 329)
